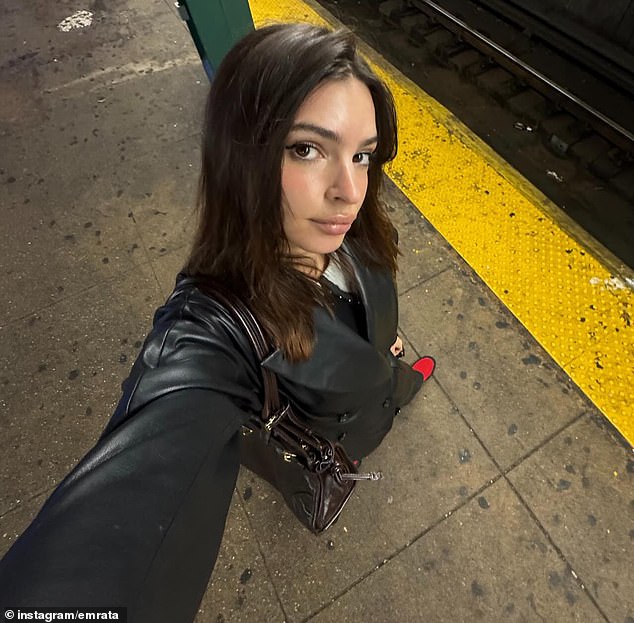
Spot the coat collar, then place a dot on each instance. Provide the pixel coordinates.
(378, 294)
(342, 361)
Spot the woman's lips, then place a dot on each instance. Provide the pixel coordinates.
(334, 227)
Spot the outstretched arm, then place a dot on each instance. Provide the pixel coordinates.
(139, 521)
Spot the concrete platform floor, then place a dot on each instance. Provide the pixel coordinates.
(506, 497)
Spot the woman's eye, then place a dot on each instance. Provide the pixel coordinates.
(363, 158)
(305, 151)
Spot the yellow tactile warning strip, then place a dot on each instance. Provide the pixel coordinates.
(501, 226)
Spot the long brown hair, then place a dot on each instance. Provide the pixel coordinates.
(252, 103)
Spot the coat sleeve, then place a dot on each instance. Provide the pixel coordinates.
(139, 521)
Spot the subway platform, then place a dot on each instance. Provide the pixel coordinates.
(508, 492)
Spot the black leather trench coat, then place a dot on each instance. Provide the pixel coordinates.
(138, 522)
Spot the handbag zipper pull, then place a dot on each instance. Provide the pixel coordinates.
(366, 476)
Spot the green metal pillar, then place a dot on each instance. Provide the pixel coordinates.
(215, 25)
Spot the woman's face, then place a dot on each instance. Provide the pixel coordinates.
(325, 167)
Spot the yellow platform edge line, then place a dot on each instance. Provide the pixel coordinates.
(503, 228)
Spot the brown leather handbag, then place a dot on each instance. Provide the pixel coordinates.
(314, 475)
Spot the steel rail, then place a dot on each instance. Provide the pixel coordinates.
(575, 40)
(514, 61)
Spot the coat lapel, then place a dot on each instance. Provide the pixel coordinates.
(378, 294)
(342, 361)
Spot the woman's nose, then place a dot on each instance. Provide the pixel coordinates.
(349, 184)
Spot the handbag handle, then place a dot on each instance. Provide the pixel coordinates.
(272, 411)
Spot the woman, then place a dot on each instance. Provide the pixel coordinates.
(297, 129)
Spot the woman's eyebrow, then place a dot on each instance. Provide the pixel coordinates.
(329, 134)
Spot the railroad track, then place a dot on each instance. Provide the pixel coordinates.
(570, 65)
(575, 89)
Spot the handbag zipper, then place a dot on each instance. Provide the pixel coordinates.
(366, 476)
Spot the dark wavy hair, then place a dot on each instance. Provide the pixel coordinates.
(252, 103)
